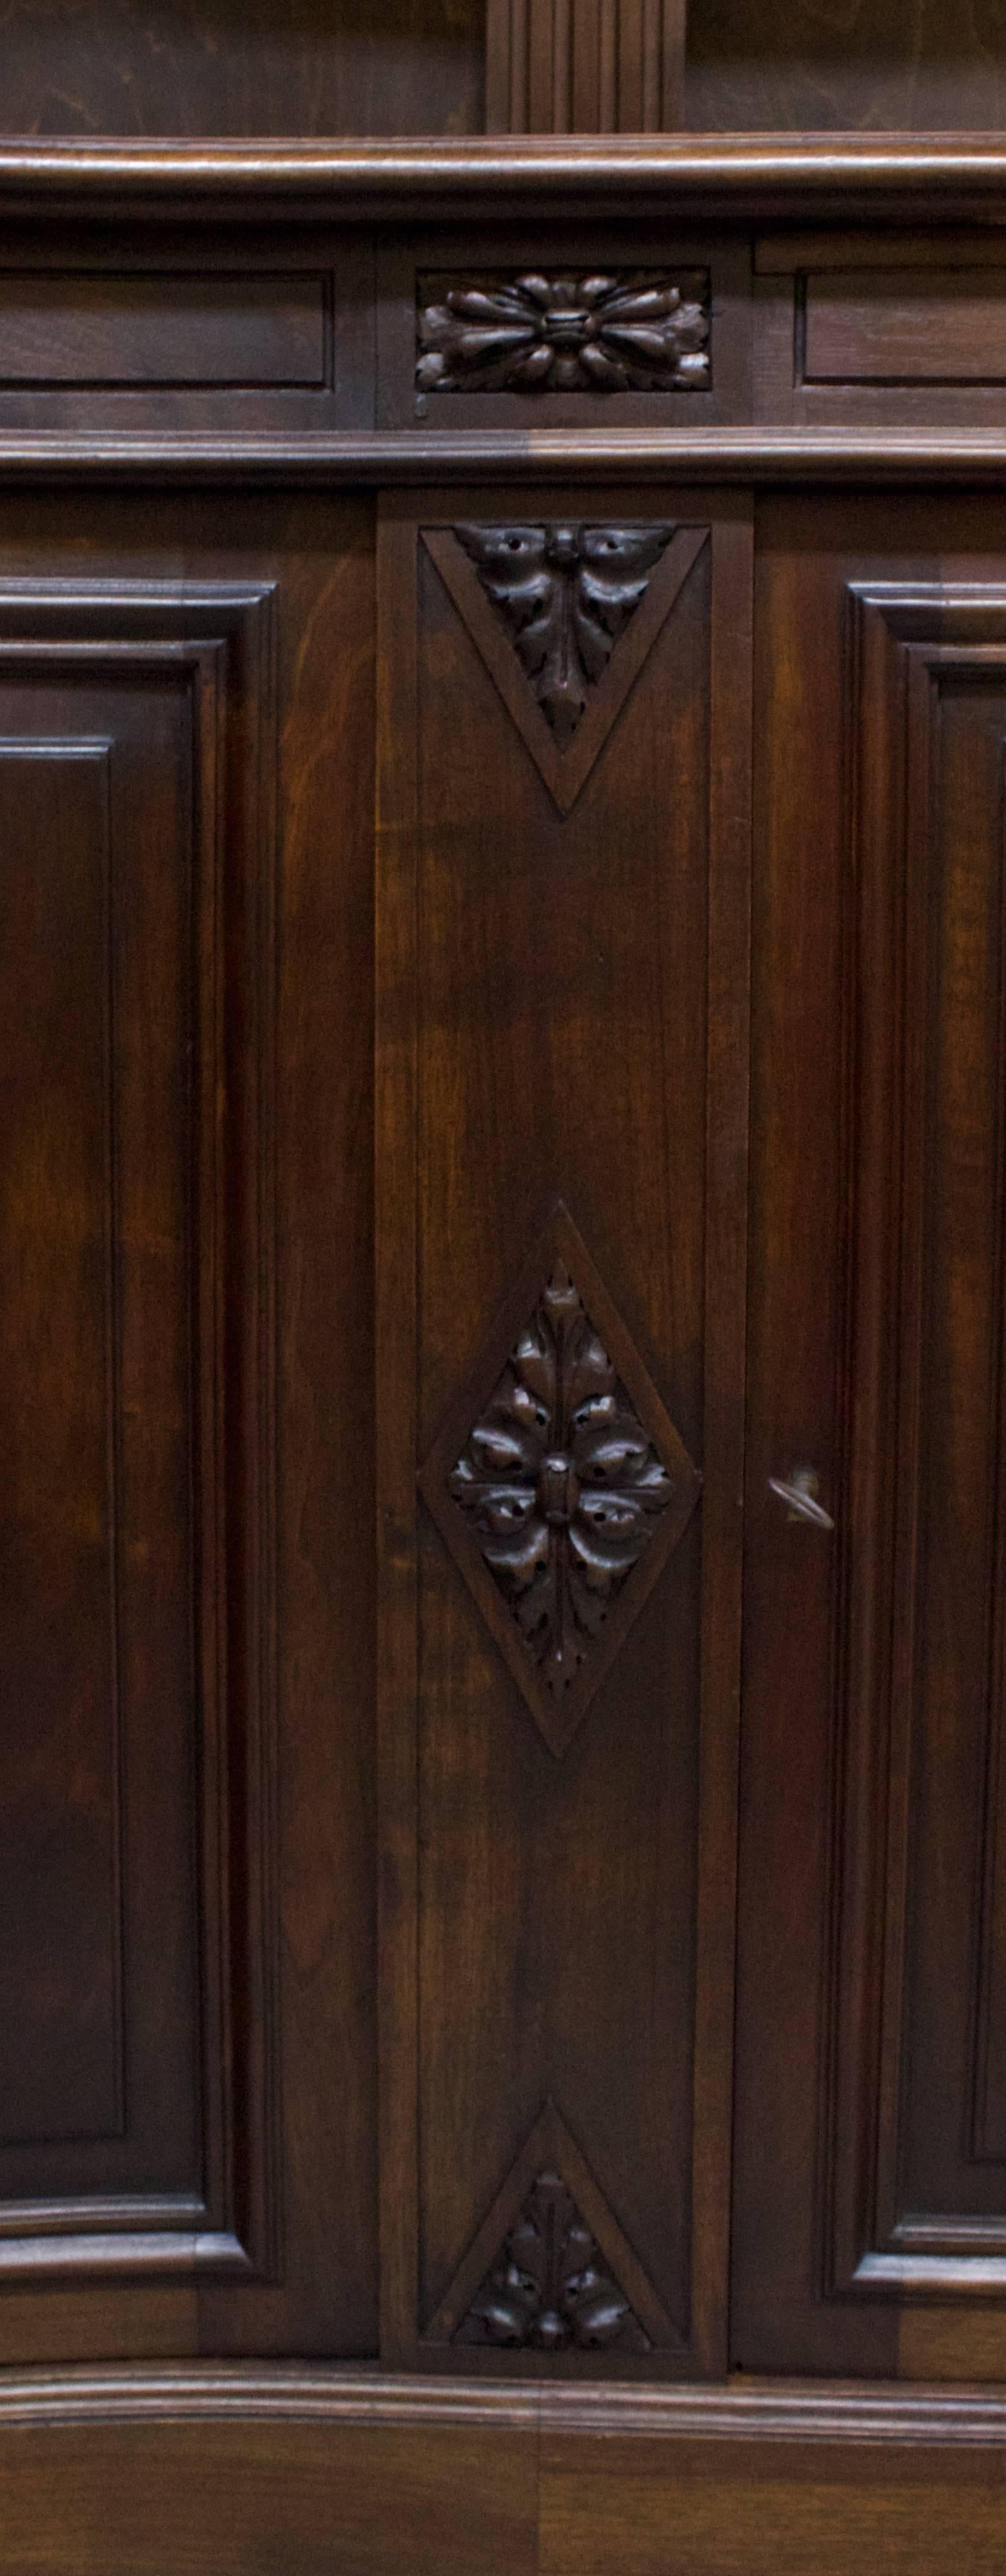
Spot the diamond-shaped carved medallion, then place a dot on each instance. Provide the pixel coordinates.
(564, 1487)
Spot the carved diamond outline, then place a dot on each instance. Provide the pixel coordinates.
(558, 1482)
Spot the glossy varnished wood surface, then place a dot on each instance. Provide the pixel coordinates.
(322, 67)
(561, 959)
(288, 1790)
(505, 1871)
(165, 2471)
(863, 1970)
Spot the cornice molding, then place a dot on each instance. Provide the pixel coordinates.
(760, 174)
(814, 2412)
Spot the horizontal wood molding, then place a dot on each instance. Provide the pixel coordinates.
(748, 455)
(764, 173)
(816, 2411)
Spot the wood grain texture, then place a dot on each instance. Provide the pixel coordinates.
(132, 1643)
(241, 330)
(514, 1851)
(894, 66)
(404, 460)
(584, 66)
(921, 2203)
(480, 2477)
(137, 67)
(766, 177)
(883, 1327)
(304, 2015)
(893, 327)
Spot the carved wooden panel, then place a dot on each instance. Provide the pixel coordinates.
(136, 722)
(571, 1488)
(562, 597)
(584, 66)
(600, 324)
(549, 2270)
(920, 2149)
(623, 332)
(560, 1335)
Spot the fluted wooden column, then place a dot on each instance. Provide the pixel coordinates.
(584, 66)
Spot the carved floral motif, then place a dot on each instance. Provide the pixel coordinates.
(562, 1485)
(641, 332)
(565, 594)
(548, 2290)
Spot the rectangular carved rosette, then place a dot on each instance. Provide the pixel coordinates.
(137, 727)
(561, 1139)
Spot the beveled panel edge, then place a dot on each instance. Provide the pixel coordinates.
(748, 455)
(820, 2411)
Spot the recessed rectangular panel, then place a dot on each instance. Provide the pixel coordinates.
(906, 326)
(60, 1749)
(919, 2176)
(75, 328)
(132, 2124)
(97, 1517)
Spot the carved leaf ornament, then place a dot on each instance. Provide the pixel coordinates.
(565, 594)
(602, 333)
(548, 2289)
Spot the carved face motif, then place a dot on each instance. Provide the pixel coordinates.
(565, 594)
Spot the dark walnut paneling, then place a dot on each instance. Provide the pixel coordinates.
(569, 1492)
(875, 329)
(550, 333)
(584, 66)
(560, 1340)
(919, 2157)
(564, 324)
(136, 745)
(321, 67)
(870, 2156)
(189, 327)
(85, 328)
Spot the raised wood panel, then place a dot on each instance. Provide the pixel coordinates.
(136, 739)
(920, 2181)
(869, 2204)
(536, 945)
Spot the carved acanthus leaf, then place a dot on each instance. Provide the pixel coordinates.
(561, 1483)
(642, 331)
(549, 2289)
(565, 593)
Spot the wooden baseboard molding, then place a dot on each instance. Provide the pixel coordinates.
(273, 2470)
(817, 2411)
